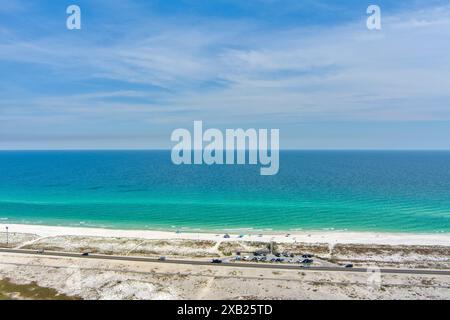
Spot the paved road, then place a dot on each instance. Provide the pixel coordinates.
(229, 264)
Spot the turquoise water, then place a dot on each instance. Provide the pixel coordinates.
(314, 190)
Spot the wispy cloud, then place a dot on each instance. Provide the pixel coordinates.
(229, 70)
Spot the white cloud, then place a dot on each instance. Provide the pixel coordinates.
(225, 71)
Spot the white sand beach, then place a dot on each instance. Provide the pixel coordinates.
(104, 279)
(328, 237)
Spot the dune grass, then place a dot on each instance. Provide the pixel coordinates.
(12, 291)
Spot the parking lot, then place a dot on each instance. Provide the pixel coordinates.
(277, 258)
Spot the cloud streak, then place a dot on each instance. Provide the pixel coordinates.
(228, 72)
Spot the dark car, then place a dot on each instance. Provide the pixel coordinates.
(307, 256)
(349, 265)
(307, 261)
(85, 254)
(217, 261)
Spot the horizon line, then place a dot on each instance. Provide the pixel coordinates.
(161, 149)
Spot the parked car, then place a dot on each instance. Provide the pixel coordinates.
(307, 256)
(85, 254)
(216, 261)
(162, 259)
(349, 265)
(307, 261)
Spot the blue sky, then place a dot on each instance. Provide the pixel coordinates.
(139, 69)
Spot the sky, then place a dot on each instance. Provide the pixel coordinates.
(137, 70)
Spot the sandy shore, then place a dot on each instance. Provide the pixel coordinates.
(104, 279)
(95, 279)
(328, 237)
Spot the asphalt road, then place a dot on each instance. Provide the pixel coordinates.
(225, 264)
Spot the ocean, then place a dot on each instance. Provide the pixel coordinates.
(381, 191)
